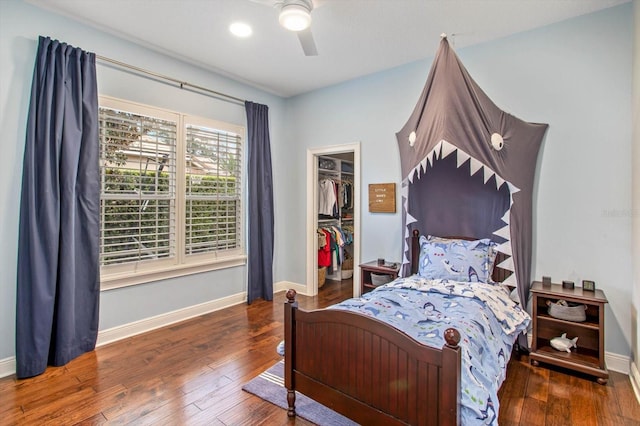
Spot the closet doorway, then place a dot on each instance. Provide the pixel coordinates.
(340, 164)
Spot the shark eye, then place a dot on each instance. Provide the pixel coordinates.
(412, 138)
(497, 142)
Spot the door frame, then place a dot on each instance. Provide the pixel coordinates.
(312, 213)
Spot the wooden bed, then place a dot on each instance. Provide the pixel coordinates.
(368, 370)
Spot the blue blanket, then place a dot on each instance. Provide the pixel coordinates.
(487, 319)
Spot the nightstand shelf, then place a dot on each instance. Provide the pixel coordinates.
(588, 323)
(366, 269)
(588, 357)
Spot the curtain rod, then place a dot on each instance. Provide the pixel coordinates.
(182, 84)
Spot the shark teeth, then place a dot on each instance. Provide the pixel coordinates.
(444, 149)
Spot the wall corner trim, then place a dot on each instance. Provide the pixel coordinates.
(634, 376)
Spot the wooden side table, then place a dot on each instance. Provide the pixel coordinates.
(588, 357)
(366, 269)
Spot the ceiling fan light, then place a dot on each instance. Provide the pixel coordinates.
(295, 17)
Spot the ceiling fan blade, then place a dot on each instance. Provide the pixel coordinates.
(270, 3)
(307, 42)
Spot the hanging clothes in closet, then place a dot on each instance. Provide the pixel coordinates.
(328, 198)
(346, 198)
(324, 248)
(331, 243)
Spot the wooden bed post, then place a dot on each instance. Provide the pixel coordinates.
(451, 359)
(415, 251)
(290, 308)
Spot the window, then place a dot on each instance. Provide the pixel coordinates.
(171, 193)
(213, 190)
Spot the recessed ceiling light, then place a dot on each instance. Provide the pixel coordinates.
(240, 29)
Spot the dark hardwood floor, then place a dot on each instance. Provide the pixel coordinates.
(192, 373)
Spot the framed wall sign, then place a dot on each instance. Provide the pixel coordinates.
(382, 197)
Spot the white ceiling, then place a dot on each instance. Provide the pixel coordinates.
(353, 37)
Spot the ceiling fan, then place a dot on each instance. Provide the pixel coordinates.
(295, 15)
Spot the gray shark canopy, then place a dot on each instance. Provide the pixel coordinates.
(468, 168)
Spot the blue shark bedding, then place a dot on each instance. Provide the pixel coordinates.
(487, 319)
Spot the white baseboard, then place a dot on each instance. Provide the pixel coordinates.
(634, 376)
(162, 320)
(286, 285)
(7, 366)
(616, 362)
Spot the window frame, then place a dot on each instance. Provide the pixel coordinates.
(140, 272)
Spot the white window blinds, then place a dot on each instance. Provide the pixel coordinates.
(213, 190)
(138, 157)
(171, 196)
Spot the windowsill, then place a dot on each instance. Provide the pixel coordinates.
(113, 281)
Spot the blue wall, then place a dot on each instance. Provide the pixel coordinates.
(20, 26)
(575, 75)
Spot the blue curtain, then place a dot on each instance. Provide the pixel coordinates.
(260, 182)
(58, 281)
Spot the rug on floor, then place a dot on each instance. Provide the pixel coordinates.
(270, 386)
